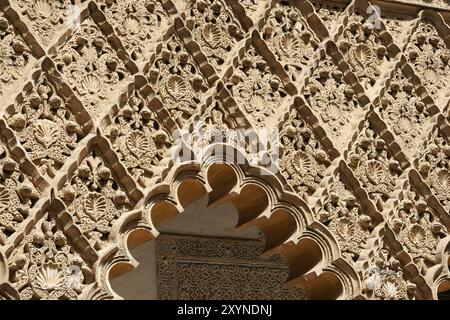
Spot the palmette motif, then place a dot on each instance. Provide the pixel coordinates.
(46, 17)
(385, 277)
(344, 216)
(255, 88)
(302, 158)
(94, 199)
(341, 210)
(330, 96)
(418, 228)
(91, 66)
(363, 49)
(215, 28)
(139, 138)
(45, 266)
(433, 165)
(45, 126)
(403, 109)
(137, 23)
(288, 37)
(372, 163)
(177, 80)
(428, 55)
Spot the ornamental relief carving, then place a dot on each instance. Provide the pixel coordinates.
(405, 112)
(268, 55)
(385, 278)
(216, 126)
(256, 89)
(45, 126)
(45, 267)
(17, 195)
(332, 98)
(180, 260)
(345, 218)
(177, 80)
(372, 163)
(433, 165)
(215, 28)
(302, 158)
(46, 18)
(429, 56)
(94, 199)
(139, 138)
(329, 13)
(252, 8)
(289, 39)
(91, 66)
(418, 228)
(15, 54)
(363, 49)
(137, 23)
(398, 27)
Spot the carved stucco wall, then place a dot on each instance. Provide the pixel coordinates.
(86, 118)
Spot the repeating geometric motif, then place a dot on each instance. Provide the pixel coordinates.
(90, 99)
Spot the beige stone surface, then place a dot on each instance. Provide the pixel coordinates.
(93, 92)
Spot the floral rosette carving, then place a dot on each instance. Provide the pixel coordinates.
(343, 215)
(94, 200)
(256, 89)
(136, 23)
(45, 127)
(177, 81)
(433, 165)
(429, 56)
(418, 229)
(17, 196)
(215, 29)
(303, 160)
(385, 279)
(363, 50)
(14, 54)
(290, 40)
(373, 165)
(46, 17)
(404, 111)
(139, 139)
(90, 65)
(45, 267)
(328, 94)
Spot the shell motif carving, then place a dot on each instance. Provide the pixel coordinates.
(429, 56)
(256, 89)
(302, 159)
(139, 139)
(91, 66)
(288, 37)
(94, 200)
(41, 265)
(433, 165)
(45, 126)
(177, 81)
(373, 165)
(215, 29)
(363, 49)
(137, 23)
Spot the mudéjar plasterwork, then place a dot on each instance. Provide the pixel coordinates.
(93, 94)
